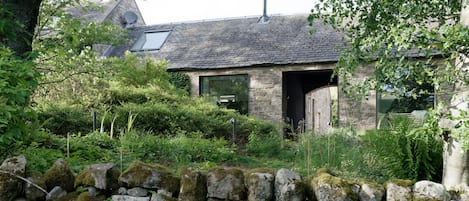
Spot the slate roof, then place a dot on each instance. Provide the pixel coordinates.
(243, 42)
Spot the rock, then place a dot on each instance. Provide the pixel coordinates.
(31, 192)
(137, 192)
(428, 190)
(162, 197)
(59, 174)
(226, 184)
(20, 199)
(399, 190)
(288, 186)
(193, 185)
(122, 191)
(56, 193)
(261, 185)
(102, 176)
(11, 186)
(327, 187)
(371, 192)
(150, 176)
(86, 196)
(460, 193)
(92, 191)
(129, 198)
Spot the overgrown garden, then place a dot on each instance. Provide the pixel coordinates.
(145, 113)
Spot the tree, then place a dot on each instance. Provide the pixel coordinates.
(401, 36)
(17, 24)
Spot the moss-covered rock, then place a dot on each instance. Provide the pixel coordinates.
(226, 184)
(398, 190)
(102, 176)
(193, 185)
(261, 185)
(59, 174)
(11, 186)
(370, 191)
(85, 196)
(69, 197)
(289, 186)
(151, 176)
(31, 192)
(327, 187)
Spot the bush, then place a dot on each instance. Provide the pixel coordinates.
(60, 118)
(17, 82)
(407, 151)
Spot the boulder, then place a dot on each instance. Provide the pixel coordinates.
(56, 193)
(193, 185)
(261, 185)
(162, 197)
(289, 186)
(102, 176)
(226, 184)
(371, 192)
(150, 176)
(85, 196)
(129, 198)
(398, 190)
(31, 192)
(59, 174)
(327, 187)
(137, 192)
(10, 185)
(428, 190)
(460, 193)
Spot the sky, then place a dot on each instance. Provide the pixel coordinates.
(167, 11)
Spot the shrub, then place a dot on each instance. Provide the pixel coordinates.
(407, 150)
(61, 118)
(17, 81)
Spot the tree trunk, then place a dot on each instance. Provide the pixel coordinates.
(455, 158)
(455, 165)
(25, 13)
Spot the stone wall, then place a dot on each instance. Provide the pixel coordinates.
(152, 182)
(266, 95)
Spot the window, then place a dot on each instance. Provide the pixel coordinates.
(230, 91)
(403, 95)
(150, 41)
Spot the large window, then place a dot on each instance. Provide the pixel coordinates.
(407, 93)
(230, 91)
(150, 41)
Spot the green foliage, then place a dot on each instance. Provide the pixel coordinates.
(60, 118)
(17, 82)
(265, 145)
(181, 81)
(407, 151)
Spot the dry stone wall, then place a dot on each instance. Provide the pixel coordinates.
(152, 182)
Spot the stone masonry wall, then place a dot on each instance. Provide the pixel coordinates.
(153, 182)
(266, 94)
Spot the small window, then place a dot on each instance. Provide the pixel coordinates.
(150, 41)
(230, 91)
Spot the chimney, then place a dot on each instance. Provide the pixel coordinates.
(264, 19)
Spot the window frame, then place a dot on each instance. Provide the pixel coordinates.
(218, 96)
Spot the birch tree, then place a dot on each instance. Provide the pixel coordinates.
(427, 39)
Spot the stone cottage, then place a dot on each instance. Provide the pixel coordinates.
(278, 68)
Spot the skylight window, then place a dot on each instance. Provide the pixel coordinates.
(150, 41)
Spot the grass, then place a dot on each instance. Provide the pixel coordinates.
(339, 152)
